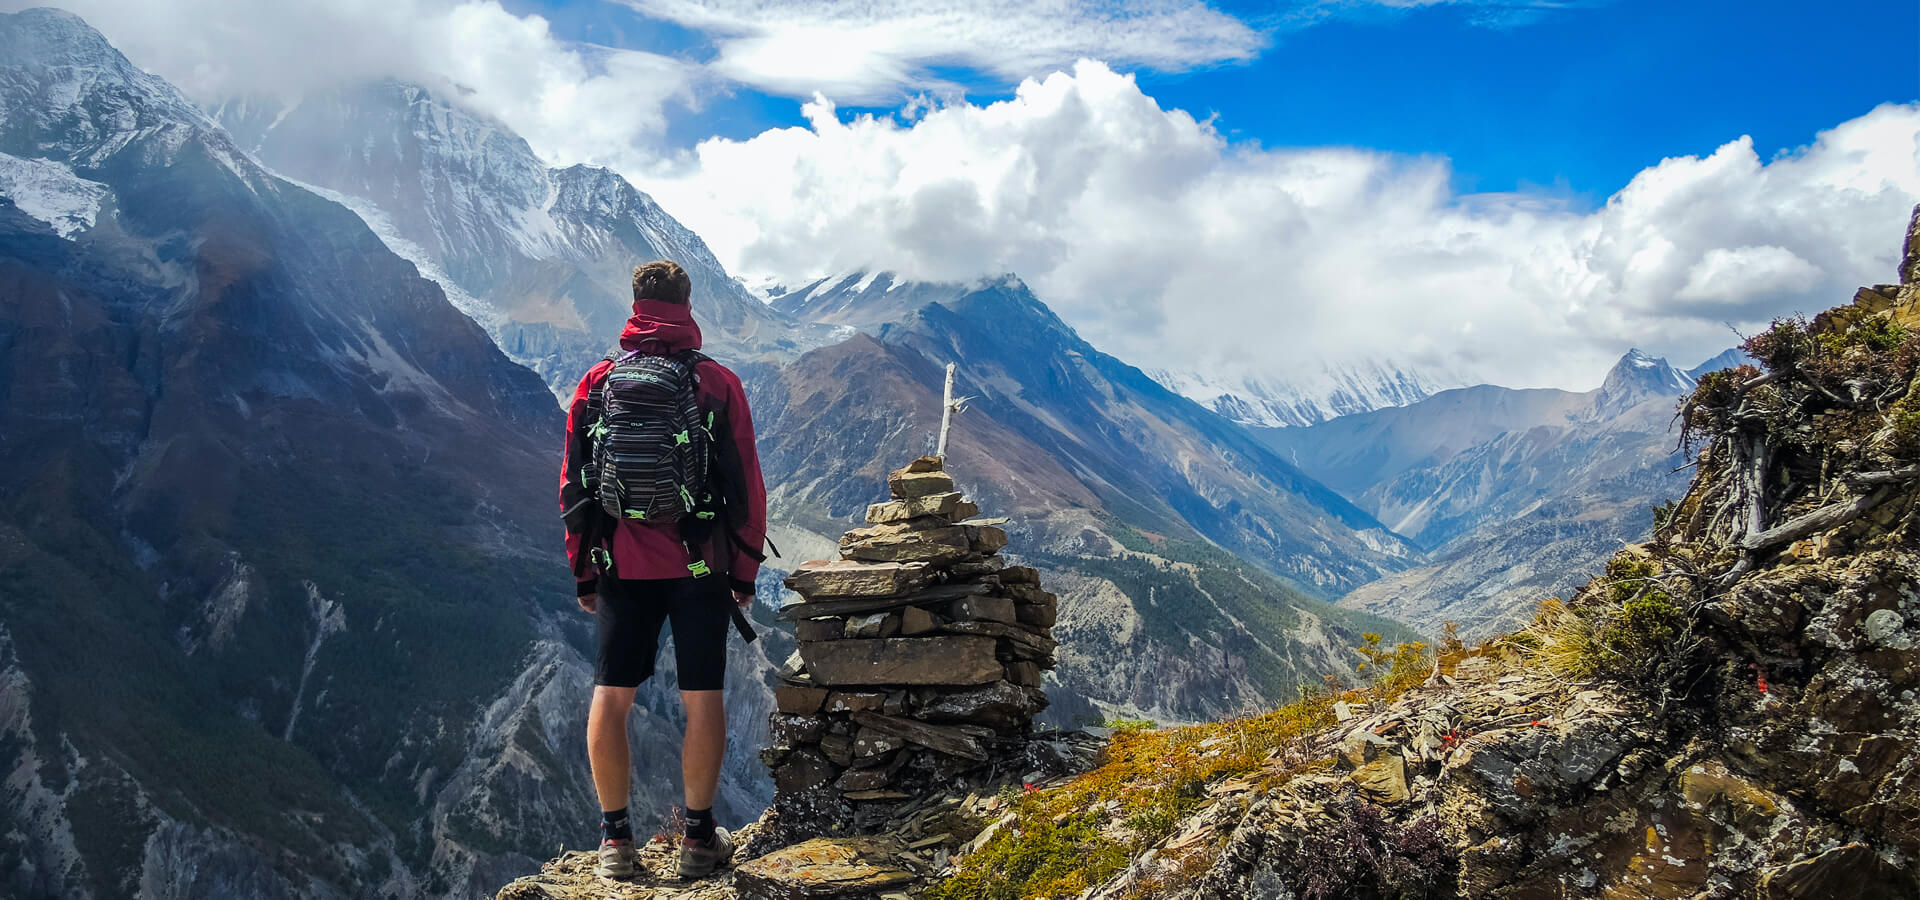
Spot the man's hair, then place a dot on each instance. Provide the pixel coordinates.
(662, 280)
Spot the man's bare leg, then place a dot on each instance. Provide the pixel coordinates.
(704, 748)
(607, 750)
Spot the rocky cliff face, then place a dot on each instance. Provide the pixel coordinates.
(542, 257)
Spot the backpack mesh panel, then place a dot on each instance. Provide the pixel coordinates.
(652, 451)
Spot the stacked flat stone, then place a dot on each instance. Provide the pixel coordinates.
(920, 658)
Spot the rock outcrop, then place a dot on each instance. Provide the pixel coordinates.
(919, 663)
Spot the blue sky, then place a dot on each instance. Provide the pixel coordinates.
(1573, 99)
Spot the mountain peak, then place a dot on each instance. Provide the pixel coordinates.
(1732, 356)
(74, 97)
(1640, 375)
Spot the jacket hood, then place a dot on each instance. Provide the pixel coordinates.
(668, 324)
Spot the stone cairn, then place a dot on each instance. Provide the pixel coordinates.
(919, 662)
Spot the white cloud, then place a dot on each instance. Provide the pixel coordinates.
(1164, 242)
(879, 50)
(1747, 273)
(573, 102)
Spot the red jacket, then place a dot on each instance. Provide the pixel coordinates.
(642, 550)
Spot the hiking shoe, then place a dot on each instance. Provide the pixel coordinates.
(616, 860)
(698, 859)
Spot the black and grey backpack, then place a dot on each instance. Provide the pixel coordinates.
(652, 444)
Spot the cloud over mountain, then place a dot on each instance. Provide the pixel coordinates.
(1155, 235)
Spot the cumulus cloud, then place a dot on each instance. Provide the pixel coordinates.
(573, 102)
(1167, 244)
(874, 51)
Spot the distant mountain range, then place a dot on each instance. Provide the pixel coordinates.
(1516, 494)
(1332, 392)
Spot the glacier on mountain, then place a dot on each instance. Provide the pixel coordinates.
(1325, 392)
(48, 190)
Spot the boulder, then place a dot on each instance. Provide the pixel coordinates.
(907, 485)
(873, 625)
(925, 464)
(943, 505)
(1850, 870)
(838, 749)
(951, 741)
(992, 609)
(914, 620)
(999, 705)
(796, 700)
(823, 868)
(1024, 673)
(802, 771)
(844, 578)
(826, 629)
(986, 539)
(897, 543)
(943, 659)
(847, 701)
(1384, 780)
(862, 780)
(862, 605)
(871, 747)
(1036, 616)
(793, 731)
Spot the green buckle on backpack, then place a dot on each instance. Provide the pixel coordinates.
(601, 558)
(636, 514)
(683, 438)
(703, 515)
(699, 568)
(686, 497)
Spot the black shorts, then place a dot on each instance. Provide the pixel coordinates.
(629, 617)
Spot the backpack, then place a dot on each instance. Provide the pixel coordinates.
(652, 444)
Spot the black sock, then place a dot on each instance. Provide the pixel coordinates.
(700, 824)
(615, 827)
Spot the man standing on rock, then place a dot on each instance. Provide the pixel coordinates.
(666, 514)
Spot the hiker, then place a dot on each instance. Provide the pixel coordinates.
(666, 515)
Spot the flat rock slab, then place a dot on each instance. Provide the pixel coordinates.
(946, 659)
(898, 543)
(907, 485)
(948, 740)
(946, 504)
(843, 578)
(853, 606)
(823, 868)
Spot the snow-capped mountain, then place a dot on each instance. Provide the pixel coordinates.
(541, 256)
(1337, 389)
(1727, 360)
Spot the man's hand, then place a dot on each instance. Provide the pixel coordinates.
(742, 600)
(589, 603)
